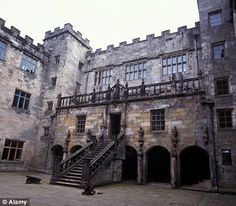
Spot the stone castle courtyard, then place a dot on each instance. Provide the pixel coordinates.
(122, 194)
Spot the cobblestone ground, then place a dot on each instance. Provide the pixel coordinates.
(12, 185)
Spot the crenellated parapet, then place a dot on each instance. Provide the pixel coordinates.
(165, 35)
(68, 28)
(26, 44)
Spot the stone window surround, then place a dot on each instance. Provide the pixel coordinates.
(218, 82)
(10, 149)
(226, 157)
(57, 59)
(80, 123)
(224, 124)
(138, 73)
(53, 81)
(46, 131)
(217, 15)
(157, 122)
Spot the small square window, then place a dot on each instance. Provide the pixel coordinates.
(57, 59)
(215, 18)
(50, 105)
(54, 81)
(226, 157)
(222, 86)
(46, 131)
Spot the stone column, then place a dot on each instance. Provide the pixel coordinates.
(174, 169)
(174, 165)
(140, 178)
(65, 149)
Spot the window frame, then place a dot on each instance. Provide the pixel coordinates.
(212, 22)
(219, 86)
(28, 63)
(3, 47)
(172, 64)
(81, 123)
(228, 119)
(9, 149)
(215, 55)
(19, 96)
(103, 77)
(159, 121)
(135, 70)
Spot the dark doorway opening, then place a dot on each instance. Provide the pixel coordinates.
(57, 151)
(129, 166)
(194, 165)
(115, 124)
(75, 148)
(158, 160)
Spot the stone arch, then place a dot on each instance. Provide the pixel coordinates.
(57, 151)
(75, 148)
(194, 165)
(129, 165)
(158, 164)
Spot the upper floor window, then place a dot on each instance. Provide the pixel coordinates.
(54, 81)
(174, 64)
(222, 86)
(103, 77)
(81, 119)
(46, 131)
(28, 64)
(50, 105)
(12, 150)
(2, 50)
(215, 18)
(21, 99)
(135, 71)
(225, 118)
(57, 59)
(218, 50)
(158, 120)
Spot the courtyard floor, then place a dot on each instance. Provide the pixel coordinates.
(12, 185)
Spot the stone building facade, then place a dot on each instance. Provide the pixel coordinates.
(172, 97)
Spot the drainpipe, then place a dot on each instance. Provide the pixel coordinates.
(212, 144)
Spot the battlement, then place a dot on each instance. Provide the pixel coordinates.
(166, 35)
(68, 28)
(24, 41)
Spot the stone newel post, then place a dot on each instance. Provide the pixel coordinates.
(140, 157)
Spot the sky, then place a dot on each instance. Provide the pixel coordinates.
(103, 22)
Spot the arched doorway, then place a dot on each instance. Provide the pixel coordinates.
(194, 165)
(129, 166)
(158, 164)
(57, 151)
(75, 148)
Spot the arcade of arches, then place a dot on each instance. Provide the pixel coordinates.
(193, 166)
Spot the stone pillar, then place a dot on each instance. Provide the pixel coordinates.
(67, 141)
(174, 169)
(174, 165)
(140, 178)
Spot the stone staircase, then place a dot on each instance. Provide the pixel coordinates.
(74, 176)
(79, 168)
